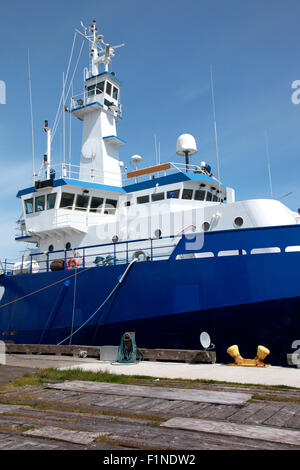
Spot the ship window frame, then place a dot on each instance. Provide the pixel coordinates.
(41, 197)
(155, 197)
(70, 207)
(99, 88)
(82, 208)
(203, 193)
(110, 209)
(49, 197)
(99, 208)
(143, 199)
(108, 85)
(173, 191)
(91, 90)
(186, 190)
(209, 196)
(115, 93)
(26, 201)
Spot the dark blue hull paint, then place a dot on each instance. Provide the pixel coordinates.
(245, 300)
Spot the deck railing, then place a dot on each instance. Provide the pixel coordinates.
(107, 254)
(271, 241)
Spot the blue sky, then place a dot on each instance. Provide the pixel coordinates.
(253, 47)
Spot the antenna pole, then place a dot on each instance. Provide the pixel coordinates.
(155, 147)
(48, 131)
(159, 152)
(31, 117)
(268, 161)
(64, 123)
(215, 124)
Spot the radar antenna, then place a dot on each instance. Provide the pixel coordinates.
(100, 52)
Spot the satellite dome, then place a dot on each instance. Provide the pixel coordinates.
(186, 144)
(136, 159)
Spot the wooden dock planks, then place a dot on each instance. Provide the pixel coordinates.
(191, 395)
(264, 433)
(60, 434)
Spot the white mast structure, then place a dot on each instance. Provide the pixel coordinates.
(47, 156)
(99, 109)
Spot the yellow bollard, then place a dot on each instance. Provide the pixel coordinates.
(258, 361)
(262, 353)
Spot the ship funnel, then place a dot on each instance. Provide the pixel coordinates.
(186, 146)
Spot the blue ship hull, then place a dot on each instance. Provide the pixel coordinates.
(246, 300)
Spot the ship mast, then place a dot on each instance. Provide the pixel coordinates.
(99, 109)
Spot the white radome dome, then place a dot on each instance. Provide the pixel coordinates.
(186, 144)
(136, 159)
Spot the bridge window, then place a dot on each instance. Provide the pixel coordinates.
(29, 206)
(67, 200)
(142, 199)
(95, 89)
(173, 194)
(108, 88)
(99, 88)
(82, 202)
(110, 206)
(39, 203)
(96, 204)
(199, 195)
(157, 197)
(187, 194)
(115, 93)
(51, 198)
(208, 196)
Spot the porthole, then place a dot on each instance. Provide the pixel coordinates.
(205, 226)
(157, 233)
(68, 246)
(238, 221)
(115, 238)
(50, 248)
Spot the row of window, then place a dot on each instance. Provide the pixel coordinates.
(198, 195)
(40, 203)
(82, 203)
(99, 88)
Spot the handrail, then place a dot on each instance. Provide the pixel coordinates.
(70, 171)
(167, 168)
(244, 240)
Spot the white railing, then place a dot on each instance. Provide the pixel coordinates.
(93, 96)
(174, 168)
(75, 172)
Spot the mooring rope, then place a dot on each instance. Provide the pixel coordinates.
(103, 303)
(45, 287)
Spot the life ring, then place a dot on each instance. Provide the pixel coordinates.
(73, 263)
(140, 255)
